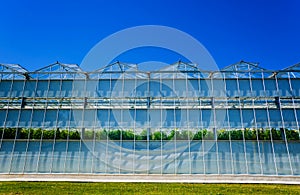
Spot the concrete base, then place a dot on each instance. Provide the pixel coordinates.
(153, 178)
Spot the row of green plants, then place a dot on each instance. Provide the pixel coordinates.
(247, 134)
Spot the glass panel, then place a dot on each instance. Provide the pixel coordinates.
(205, 87)
(221, 119)
(32, 156)
(54, 88)
(42, 88)
(180, 87)
(210, 157)
(231, 88)
(59, 156)
(141, 87)
(66, 88)
(244, 85)
(194, 87)
(63, 118)
(104, 88)
(282, 158)
(19, 155)
(128, 88)
(257, 87)
(2, 117)
(17, 88)
(284, 87)
(29, 90)
(50, 119)
(78, 88)
(72, 157)
(76, 118)
(219, 88)
(86, 156)
(197, 157)
(289, 118)
(45, 156)
(5, 88)
(248, 118)
(235, 118)
(267, 158)
(261, 118)
(5, 155)
(207, 119)
(270, 85)
(25, 118)
(294, 148)
(194, 119)
(238, 155)
(102, 118)
(296, 86)
(91, 88)
(89, 118)
(100, 158)
(225, 158)
(38, 118)
(12, 118)
(275, 118)
(253, 158)
(183, 159)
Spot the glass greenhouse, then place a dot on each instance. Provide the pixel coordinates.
(180, 119)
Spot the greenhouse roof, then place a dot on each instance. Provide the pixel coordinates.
(118, 70)
(12, 71)
(290, 72)
(115, 70)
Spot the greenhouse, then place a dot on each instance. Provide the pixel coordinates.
(180, 119)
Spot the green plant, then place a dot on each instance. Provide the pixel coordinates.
(127, 135)
(74, 135)
(48, 134)
(88, 134)
(143, 135)
(37, 133)
(114, 134)
(63, 134)
(101, 135)
(159, 135)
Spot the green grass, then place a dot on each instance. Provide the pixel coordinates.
(143, 188)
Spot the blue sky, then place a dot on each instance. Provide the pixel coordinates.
(37, 33)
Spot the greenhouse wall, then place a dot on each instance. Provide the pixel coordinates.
(242, 119)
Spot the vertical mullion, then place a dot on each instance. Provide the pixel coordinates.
(161, 126)
(229, 126)
(214, 123)
(56, 125)
(134, 124)
(17, 129)
(69, 124)
(175, 127)
(255, 124)
(43, 124)
(201, 125)
(283, 126)
(269, 123)
(242, 125)
(82, 127)
(188, 121)
(30, 124)
(5, 120)
(294, 105)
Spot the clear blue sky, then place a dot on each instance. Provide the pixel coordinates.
(37, 33)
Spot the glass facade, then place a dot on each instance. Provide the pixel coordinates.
(180, 119)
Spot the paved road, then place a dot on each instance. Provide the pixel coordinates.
(153, 178)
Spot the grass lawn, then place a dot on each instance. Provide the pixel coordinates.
(143, 188)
